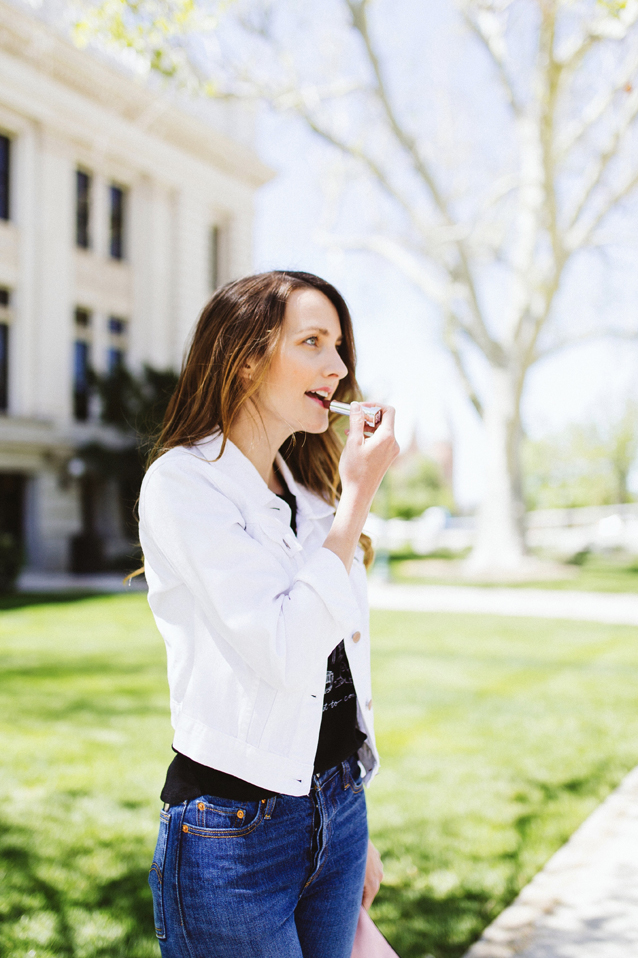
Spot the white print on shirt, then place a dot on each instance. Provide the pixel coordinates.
(339, 684)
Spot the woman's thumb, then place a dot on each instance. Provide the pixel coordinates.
(357, 423)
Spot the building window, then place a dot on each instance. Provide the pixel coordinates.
(5, 325)
(214, 257)
(117, 211)
(116, 355)
(81, 365)
(5, 177)
(82, 209)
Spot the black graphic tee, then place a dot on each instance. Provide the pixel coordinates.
(339, 735)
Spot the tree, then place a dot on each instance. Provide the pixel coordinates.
(412, 485)
(460, 218)
(135, 404)
(585, 465)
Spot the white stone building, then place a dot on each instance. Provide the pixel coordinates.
(119, 213)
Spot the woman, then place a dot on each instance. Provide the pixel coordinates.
(257, 585)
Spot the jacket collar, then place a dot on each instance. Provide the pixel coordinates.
(238, 478)
(309, 504)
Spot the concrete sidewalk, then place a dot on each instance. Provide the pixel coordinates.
(584, 903)
(615, 608)
(619, 608)
(70, 582)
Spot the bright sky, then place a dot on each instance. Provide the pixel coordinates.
(400, 357)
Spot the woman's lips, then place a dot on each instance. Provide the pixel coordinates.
(320, 400)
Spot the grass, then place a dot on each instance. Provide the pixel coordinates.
(596, 574)
(498, 737)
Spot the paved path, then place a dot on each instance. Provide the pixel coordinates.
(620, 607)
(584, 903)
(69, 582)
(610, 607)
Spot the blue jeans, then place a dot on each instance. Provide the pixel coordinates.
(277, 878)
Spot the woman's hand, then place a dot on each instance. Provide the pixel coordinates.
(364, 462)
(367, 456)
(374, 876)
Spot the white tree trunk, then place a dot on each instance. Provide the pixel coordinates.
(500, 543)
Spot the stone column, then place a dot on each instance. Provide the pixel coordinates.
(54, 333)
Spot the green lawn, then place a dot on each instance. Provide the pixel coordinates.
(498, 737)
(596, 574)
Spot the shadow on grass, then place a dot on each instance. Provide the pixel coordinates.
(42, 907)
(420, 923)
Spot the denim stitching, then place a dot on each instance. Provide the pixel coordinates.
(178, 857)
(227, 832)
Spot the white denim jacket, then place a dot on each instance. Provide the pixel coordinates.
(249, 613)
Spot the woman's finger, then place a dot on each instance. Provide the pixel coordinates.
(357, 423)
(387, 419)
(373, 877)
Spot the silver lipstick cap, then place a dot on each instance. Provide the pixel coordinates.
(372, 414)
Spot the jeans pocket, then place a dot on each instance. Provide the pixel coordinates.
(353, 778)
(156, 875)
(211, 816)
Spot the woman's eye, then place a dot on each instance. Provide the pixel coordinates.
(312, 340)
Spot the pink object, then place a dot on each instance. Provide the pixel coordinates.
(368, 941)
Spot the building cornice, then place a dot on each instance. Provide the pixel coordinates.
(28, 39)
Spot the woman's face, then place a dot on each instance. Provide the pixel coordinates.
(306, 367)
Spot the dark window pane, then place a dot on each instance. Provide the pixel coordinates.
(82, 209)
(11, 504)
(82, 317)
(5, 172)
(117, 326)
(117, 223)
(115, 360)
(4, 367)
(81, 380)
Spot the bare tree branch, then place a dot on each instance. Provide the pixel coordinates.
(492, 45)
(368, 161)
(357, 10)
(602, 26)
(553, 73)
(450, 336)
(597, 168)
(580, 236)
(596, 109)
(438, 289)
(480, 332)
(586, 337)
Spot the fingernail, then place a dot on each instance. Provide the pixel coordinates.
(355, 406)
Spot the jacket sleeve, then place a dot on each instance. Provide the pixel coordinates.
(283, 628)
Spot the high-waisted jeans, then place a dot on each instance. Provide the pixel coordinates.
(277, 878)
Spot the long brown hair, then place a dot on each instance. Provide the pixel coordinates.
(242, 323)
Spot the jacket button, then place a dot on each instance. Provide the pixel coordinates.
(356, 636)
(369, 704)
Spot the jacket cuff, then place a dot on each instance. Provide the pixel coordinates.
(326, 574)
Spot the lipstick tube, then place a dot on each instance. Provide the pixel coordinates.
(371, 414)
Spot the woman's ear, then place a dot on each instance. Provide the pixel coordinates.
(247, 370)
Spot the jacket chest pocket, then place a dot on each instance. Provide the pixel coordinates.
(274, 534)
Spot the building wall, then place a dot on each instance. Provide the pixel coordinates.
(63, 109)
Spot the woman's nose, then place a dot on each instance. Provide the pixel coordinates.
(336, 367)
